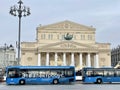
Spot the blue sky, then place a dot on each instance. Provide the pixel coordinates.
(104, 15)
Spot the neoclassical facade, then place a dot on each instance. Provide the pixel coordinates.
(7, 56)
(66, 43)
(115, 56)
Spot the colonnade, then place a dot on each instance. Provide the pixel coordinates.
(88, 60)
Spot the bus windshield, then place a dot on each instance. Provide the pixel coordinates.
(13, 73)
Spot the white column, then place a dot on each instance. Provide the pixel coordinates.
(96, 61)
(47, 59)
(80, 60)
(39, 59)
(88, 62)
(64, 59)
(72, 59)
(56, 57)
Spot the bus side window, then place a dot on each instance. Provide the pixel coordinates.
(69, 73)
(23, 73)
(117, 73)
(96, 73)
(105, 73)
(109, 73)
(90, 73)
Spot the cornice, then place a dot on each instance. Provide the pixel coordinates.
(65, 25)
(68, 44)
(68, 50)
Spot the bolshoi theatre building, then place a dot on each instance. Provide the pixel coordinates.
(66, 43)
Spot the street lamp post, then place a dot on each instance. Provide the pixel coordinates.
(19, 11)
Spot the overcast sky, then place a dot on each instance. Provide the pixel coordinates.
(104, 15)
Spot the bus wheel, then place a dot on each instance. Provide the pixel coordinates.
(22, 82)
(99, 81)
(55, 81)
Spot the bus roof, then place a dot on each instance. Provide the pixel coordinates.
(41, 67)
(98, 68)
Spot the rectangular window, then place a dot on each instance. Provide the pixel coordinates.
(50, 36)
(42, 36)
(11, 57)
(89, 37)
(82, 37)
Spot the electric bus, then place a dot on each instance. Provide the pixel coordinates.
(100, 75)
(40, 74)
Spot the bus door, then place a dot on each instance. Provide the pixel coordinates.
(108, 76)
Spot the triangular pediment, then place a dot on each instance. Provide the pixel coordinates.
(66, 25)
(68, 45)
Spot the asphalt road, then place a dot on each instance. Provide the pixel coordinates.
(75, 86)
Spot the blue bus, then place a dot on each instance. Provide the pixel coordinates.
(40, 74)
(100, 75)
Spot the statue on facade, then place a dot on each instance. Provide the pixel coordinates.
(68, 37)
